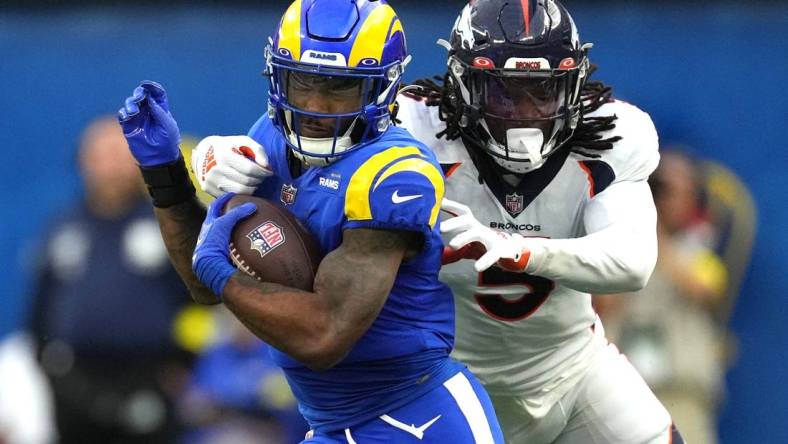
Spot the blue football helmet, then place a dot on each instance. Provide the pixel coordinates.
(517, 70)
(334, 67)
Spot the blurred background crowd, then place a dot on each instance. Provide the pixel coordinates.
(99, 342)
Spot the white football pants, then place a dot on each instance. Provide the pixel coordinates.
(611, 404)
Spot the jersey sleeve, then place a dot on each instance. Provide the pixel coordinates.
(398, 188)
(619, 252)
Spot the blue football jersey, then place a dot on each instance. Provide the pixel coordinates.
(392, 183)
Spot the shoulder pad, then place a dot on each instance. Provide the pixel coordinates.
(636, 155)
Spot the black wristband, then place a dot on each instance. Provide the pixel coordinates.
(168, 184)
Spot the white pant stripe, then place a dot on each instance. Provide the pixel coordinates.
(462, 392)
(349, 437)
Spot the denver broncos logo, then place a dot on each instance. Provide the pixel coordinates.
(464, 27)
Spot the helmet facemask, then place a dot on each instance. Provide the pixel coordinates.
(523, 116)
(516, 70)
(325, 111)
(334, 68)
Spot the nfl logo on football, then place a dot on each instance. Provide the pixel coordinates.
(514, 204)
(266, 237)
(288, 194)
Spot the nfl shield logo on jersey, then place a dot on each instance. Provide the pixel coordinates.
(288, 194)
(266, 237)
(514, 204)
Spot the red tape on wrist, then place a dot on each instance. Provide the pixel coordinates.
(518, 265)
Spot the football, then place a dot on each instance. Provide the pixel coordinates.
(271, 245)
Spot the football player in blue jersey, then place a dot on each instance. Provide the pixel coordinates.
(367, 351)
(559, 167)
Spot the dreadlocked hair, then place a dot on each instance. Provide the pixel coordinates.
(586, 137)
(442, 96)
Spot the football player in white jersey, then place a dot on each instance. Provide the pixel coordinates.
(552, 174)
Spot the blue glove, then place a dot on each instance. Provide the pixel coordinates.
(211, 261)
(149, 127)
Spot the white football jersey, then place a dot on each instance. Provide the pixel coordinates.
(533, 334)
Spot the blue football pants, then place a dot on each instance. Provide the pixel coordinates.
(457, 412)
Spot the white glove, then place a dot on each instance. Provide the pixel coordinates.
(466, 229)
(225, 164)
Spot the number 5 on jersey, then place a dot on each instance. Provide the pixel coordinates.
(510, 296)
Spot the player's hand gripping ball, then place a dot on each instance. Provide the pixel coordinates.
(273, 246)
(261, 239)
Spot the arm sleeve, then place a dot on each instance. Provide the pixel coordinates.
(619, 252)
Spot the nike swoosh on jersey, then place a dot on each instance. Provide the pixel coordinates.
(396, 198)
(418, 432)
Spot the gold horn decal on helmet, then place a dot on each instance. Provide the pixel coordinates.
(377, 29)
(290, 31)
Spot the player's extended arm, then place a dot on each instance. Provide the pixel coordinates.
(317, 328)
(618, 254)
(153, 138)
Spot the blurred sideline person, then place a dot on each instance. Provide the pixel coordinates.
(669, 330)
(367, 351)
(104, 303)
(236, 392)
(26, 410)
(238, 395)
